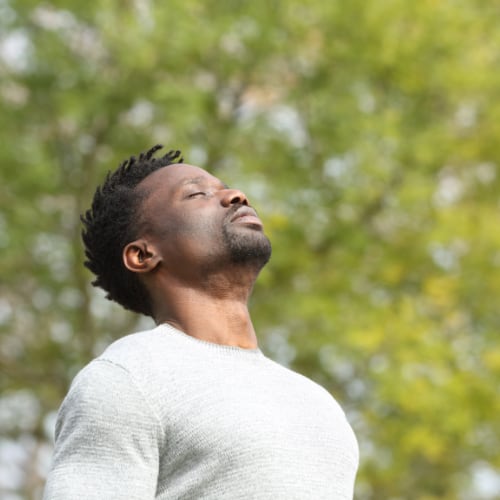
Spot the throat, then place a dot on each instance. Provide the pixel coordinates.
(224, 321)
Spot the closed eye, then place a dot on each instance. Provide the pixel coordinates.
(194, 195)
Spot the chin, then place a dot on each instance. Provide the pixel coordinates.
(251, 247)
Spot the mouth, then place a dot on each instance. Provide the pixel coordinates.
(246, 215)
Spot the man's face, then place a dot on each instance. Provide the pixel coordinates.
(199, 223)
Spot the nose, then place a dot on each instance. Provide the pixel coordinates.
(233, 197)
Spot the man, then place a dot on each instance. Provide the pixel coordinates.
(191, 409)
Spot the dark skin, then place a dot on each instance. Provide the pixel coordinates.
(200, 251)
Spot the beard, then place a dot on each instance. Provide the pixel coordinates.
(247, 246)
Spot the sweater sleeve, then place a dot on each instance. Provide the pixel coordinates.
(107, 439)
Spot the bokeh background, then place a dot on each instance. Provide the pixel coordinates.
(367, 135)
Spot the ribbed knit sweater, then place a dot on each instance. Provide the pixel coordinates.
(162, 415)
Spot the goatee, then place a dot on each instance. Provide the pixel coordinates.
(247, 246)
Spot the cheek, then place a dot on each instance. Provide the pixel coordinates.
(197, 241)
(195, 231)
(197, 226)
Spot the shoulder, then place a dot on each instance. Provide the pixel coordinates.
(141, 351)
(112, 374)
(103, 396)
(100, 386)
(137, 364)
(131, 346)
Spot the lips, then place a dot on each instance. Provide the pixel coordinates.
(246, 215)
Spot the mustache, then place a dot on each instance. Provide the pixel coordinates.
(233, 209)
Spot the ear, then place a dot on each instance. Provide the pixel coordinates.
(140, 256)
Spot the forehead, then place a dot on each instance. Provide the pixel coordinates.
(173, 177)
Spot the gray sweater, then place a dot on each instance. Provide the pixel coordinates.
(161, 415)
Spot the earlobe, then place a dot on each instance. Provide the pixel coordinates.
(140, 257)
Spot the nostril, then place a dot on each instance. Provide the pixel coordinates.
(233, 197)
(238, 198)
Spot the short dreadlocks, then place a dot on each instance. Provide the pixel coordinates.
(112, 222)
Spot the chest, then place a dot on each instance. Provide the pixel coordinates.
(233, 415)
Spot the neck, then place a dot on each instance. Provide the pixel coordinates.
(214, 314)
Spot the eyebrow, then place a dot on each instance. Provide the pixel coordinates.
(199, 180)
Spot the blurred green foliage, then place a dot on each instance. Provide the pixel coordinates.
(365, 133)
